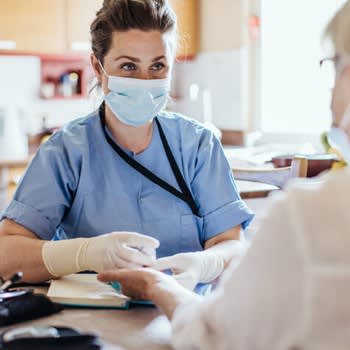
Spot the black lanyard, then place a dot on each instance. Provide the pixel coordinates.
(185, 195)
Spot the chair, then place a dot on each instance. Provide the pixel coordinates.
(272, 179)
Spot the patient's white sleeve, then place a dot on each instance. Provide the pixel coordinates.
(250, 296)
(292, 288)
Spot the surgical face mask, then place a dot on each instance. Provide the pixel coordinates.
(338, 138)
(135, 102)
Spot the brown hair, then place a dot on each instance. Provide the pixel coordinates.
(123, 15)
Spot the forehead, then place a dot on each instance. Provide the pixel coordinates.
(138, 43)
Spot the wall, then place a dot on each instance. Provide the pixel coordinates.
(221, 25)
(209, 88)
(219, 70)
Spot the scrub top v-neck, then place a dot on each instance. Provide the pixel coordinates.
(76, 186)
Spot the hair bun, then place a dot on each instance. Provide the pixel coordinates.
(108, 3)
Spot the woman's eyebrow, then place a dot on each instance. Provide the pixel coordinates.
(158, 58)
(135, 59)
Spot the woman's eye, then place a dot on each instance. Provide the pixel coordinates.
(158, 66)
(128, 66)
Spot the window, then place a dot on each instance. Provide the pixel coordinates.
(295, 98)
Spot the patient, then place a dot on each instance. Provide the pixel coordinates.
(291, 290)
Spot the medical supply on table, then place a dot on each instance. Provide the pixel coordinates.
(18, 305)
(8, 283)
(48, 337)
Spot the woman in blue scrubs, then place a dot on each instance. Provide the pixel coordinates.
(107, 189)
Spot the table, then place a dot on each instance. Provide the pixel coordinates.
(252, 189)
(134, 329)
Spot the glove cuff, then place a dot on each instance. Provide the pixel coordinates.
(62, 257)
(212, 267)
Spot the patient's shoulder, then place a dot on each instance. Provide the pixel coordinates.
(320, 213)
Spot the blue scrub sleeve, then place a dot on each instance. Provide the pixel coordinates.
(45, 191)
(215, 190)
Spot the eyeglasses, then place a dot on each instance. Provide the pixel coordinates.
(328, 67)
(334, 60)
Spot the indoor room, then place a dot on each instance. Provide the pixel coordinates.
(173, 174)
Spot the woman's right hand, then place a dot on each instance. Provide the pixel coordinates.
(109, 251)
(118, 250)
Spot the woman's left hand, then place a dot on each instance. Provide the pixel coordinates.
(192, 268)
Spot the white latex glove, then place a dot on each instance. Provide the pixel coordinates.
(192, 268)
(108, 251)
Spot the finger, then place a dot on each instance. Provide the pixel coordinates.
(170, 262)
(138, 240)
(125, 264)
(186, 280)
(110, 275)
(134, 256)
(163, 263)
(149, 251)
(115, 260)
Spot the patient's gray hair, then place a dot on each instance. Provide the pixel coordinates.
(338, 31)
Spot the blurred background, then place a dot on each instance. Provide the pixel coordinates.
(249, 68)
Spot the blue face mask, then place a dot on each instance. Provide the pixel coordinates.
(135, 102)
(340, 141)
(338, 138)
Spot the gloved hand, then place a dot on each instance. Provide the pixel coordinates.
(108, 251)
(192, 268)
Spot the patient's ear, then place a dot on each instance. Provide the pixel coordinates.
(340, 95)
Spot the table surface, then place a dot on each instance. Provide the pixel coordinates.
(134, 329)
(252, 189)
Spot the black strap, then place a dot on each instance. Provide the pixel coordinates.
(179, 178)
(185, 195)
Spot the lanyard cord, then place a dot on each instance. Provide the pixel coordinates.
(185, 195)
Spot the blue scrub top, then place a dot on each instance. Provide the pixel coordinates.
(77, 186)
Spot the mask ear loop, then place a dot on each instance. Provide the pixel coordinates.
(103, 70)
(344, 124)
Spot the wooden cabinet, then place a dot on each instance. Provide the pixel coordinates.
(50, 26)
(187, 12)
(35, 25)
(80, 14)
(61, 26)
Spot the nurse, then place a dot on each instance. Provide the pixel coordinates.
(108, 189)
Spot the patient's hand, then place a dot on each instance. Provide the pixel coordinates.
(139, 283)
(148, 284)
